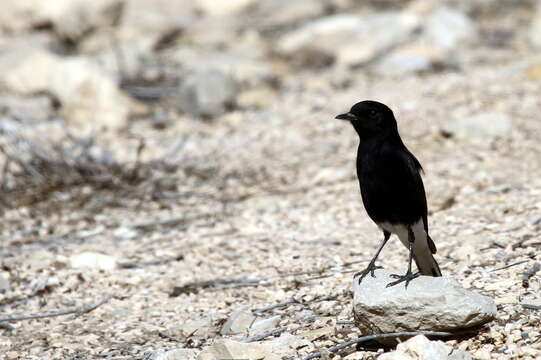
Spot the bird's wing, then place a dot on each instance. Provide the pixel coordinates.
(410, 192)
(401, 173)
(417, 165)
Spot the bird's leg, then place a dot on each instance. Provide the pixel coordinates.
(372, 265)
(409, 275)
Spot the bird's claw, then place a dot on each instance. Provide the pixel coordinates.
(401, 278)
(369, 270)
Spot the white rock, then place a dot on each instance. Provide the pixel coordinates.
(221, 33)
(420, 348)
(443, 30)
(446, 28)
(369, 44)
(349, 39)
(83, 16)
(4, 283)
(93, 260)
(286, 12)
(330, 175)
(428, 303)
(156, 16)
(481, 126)
(318, 333)
(24, 15)
(285, 345)
(229, 349)
(257, 98)
(221, 8)
(410, 58)
(175, 354)
(28, 110)
(87, 96)
(124, 233)
(199, 327)
(466, 252)
(206, 93)
(337, 28)
(239, 321)
(135, 50)
(535, 29)
(304, 315)
(261, 325)
(26, 71)
(245, 69)
(39, 260)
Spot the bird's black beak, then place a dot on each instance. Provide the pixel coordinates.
(346, 116)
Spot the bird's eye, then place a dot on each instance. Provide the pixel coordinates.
(372, 113)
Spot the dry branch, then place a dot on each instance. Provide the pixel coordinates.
(322, 270)
(531, 306)
(78, 311)
(508, 266)
(216, 284)
(196, 286)
(276, 306)
(293, 301)
(172, 222)
(340, 347)
(33, 166)
(139, 264)
(265, 334)
(521, 242)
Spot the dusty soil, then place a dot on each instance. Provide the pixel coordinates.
(269, 199)
(288, 213)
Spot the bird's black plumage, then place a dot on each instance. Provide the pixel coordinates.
(391, 185)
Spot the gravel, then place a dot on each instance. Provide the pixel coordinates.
(260, 206)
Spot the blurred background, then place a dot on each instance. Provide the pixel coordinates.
(200, 135)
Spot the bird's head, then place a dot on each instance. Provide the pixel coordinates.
(371, 119)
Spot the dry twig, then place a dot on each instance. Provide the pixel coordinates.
(78, 311)
(521, 242)
(510, 265)
(265, 334)
(139, 264)
(39, 166)
(322, 270)
(340, 347)
(293, 301)
(196, 286)
(171, 222)
(275, 306)
(531, 306)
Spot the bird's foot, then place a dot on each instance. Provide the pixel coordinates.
(401, 278)
(369, 270)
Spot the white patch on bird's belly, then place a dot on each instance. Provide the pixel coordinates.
(401, 230)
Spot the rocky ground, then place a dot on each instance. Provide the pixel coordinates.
(173, 177)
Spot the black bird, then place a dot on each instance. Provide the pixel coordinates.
(391, 188)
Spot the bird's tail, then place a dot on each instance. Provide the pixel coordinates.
(423, 248)
(425, 260)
